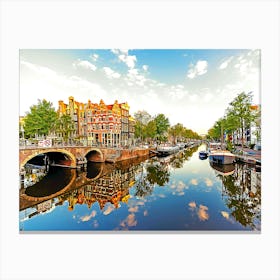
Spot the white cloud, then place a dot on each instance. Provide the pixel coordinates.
(198, 69)
(145, 67)
(94, 57)
(111, 73)
(84, 64)
(225, 64)
(134, 77)
(129, 60)
(39, 82)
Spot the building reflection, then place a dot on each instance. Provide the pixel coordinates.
(241, 191)
(112, 188)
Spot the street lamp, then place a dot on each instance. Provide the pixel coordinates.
(22, 131)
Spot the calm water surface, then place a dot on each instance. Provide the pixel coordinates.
(178, 193)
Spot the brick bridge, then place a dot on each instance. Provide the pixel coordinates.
(74, 153)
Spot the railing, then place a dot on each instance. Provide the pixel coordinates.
(23, 146)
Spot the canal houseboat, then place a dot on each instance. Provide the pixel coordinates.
(167, 149)
(221, 157)
(214, 146)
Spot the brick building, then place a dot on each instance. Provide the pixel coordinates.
(100, 124)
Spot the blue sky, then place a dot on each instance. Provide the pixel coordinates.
(192, 87)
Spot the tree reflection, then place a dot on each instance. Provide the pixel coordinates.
(189, 152)
(154, 173)
(157, 174)
(178, 161)
(242, 193)
(142, 185)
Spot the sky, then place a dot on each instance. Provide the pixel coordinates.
(189, 86)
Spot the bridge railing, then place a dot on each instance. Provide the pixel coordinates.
(26, 145)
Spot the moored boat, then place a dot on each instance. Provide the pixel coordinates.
(203, 154)
(214, 146)
(165, 150)
(221, 157)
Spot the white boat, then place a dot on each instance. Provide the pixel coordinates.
(166, 149)
(214, 146)
(221, 157)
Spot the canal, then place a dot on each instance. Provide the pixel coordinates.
(176, 193)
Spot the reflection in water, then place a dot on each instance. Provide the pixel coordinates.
(223, 169)
(53, 182)
(140, 195)
(94, 169)
(242, 193)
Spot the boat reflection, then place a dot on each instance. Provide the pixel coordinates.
(223, 169)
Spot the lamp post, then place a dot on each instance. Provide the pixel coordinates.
(22, 132)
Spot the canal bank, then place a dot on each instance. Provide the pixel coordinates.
(116, 155)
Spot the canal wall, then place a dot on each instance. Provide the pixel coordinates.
(117, 155)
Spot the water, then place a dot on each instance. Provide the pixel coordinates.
(178, 193)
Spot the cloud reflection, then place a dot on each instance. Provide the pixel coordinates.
(192, 205)
(194, 182)
(208, 182)
(86, 218)
(109, 209)
(201, 210)
(225, 214)
(179, 188)
(202, 213)
(133, 209)
(130, 221)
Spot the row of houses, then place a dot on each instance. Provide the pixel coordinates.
(99, 124)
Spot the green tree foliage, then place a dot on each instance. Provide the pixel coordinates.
(176, 131)
(40, 120)
(238, 117)
(189, 134)
(240, 113)
(162, 125)
(215, 131)
(65, 127)
(158, 128)
(151, 129)
(141, 120)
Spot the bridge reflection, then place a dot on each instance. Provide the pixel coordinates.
(101, 182)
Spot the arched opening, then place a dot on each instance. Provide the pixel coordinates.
(94, 170)
(56, 180)
(95, 156)
(35, 167)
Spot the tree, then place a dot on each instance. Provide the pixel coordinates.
(40, 120)
(257, 122)
(162, 125)
(176, 131)
(240, 113)
(141, 120)
(150, 130)
(65, 127)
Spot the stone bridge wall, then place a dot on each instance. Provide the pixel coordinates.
(91, 153)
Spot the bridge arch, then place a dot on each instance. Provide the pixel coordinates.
(35, 153)
(94, 155)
